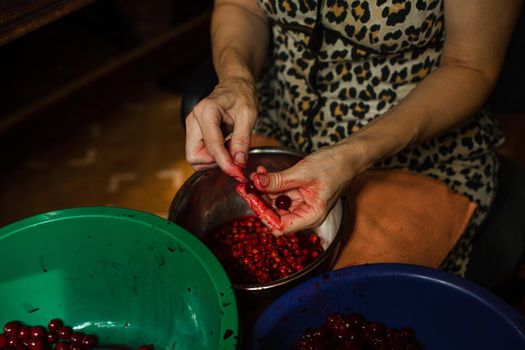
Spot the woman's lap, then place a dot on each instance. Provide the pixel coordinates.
(403, 217)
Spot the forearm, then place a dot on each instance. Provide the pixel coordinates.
(239, 34)
(478, 32)
(448, 97)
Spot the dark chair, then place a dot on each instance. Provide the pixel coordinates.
(199, 86)
(500, 245)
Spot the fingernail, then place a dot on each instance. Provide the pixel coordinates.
(263, 180)
(240, 158)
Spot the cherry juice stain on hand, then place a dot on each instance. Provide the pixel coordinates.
(259, 207)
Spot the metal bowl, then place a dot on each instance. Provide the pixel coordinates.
(208, 199)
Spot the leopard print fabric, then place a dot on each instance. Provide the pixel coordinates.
(338, 64)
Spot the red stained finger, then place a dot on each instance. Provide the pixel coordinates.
(214, 142)
(201, 167)
(261, 169)
(206, 138)
(263, 212)
(196, 152)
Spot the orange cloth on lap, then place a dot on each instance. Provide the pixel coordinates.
(405, 217)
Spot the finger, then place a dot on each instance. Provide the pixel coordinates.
(196, 153)
(261, 169)
(209, 123)
(201, 167)
(294, 195)
(240, 142)
(279, 181)
(267, 215)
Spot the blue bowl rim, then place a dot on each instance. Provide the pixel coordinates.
(285, 303)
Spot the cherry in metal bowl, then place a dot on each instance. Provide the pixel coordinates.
(250, 253)
(208, 199)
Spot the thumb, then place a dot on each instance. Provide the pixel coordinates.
(279, 181)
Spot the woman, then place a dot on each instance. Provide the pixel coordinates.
(384, 96)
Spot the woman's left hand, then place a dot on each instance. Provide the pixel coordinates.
(314, 184)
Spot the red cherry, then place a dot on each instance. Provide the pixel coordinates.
(55, 324)
(307, 344)
(64, 332)
(283, 202)
(250, 187)
(19, 346)
(62, 346)
(75, 346)
(77, 337)
(11, 328)
(24, 332)
(36, 344)
(11, 342)
(408, 334)
(355, 320)
(354, 332)
(146, 347)
(89, 341)
(38, 332)
(313, 238)
(51, 338)
(391, 333)
(316, 334)
(3, 341)
(396, 345)
(413, 346)
(376, 328)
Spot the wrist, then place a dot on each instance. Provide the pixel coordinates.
(380, 139)
(230, 65)
(355, 156)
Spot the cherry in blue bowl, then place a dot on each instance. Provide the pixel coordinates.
(446, 311)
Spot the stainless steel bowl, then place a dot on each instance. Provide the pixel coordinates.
(208, 199)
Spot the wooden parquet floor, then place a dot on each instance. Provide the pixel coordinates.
(133, 158)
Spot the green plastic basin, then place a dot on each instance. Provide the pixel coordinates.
(129, 277)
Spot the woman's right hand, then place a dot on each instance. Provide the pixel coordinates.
(230, 108)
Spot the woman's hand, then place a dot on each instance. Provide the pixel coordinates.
(230, 108)
(239, 38)
(314, 184)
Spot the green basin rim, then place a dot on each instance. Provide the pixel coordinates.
(210, 263)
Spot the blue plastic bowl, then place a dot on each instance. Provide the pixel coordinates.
(446, 311)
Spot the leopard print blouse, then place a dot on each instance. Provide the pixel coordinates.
(338, 64)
